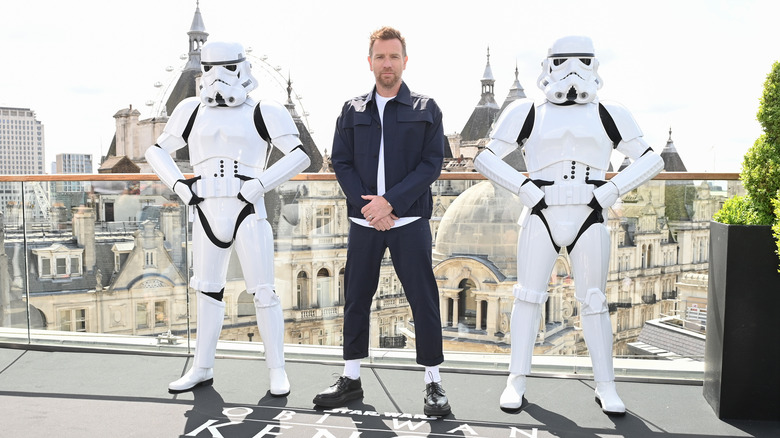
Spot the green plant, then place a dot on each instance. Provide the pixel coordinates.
(776, 225)
(737, 211)
(761, 168)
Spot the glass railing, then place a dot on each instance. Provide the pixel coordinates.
(102, 261)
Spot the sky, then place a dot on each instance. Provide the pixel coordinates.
(695, 66)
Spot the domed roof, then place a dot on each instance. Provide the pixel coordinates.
(482, 222)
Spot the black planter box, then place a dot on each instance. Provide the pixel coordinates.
(742, 350)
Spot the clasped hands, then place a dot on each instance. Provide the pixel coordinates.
(378, 212)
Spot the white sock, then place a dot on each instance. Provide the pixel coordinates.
(432, 374)
(352, 368)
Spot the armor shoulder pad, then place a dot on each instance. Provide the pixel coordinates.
(277, 119)
(513, 120)
(180, 119)
(622, 120)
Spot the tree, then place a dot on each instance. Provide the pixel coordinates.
(761, 167)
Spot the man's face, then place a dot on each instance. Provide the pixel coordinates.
(388, 62)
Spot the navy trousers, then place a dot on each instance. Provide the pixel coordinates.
(410, 249)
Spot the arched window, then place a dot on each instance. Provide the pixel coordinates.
(467, 304)
(302, 291)
(650, 256)
(324, 298)
(701, 250)
(341, 286)
(246, 304)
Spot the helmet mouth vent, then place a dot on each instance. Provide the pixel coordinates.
(572, 94)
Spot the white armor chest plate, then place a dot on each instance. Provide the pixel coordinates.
(224, 142)
(566, 134)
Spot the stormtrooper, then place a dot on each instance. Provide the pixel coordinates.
(567, 142)
(230, 138)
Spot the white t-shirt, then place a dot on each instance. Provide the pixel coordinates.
(380, 172)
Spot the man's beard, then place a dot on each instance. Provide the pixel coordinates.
(389, 82)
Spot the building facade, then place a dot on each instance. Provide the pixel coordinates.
(72, 164)
(22, 152)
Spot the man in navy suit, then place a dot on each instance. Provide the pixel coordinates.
(387, 151)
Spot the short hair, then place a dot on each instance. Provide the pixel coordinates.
(386, 33)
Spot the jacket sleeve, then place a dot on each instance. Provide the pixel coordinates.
(417, 182)
(343, 160)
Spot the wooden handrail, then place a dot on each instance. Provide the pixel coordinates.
(663, 176)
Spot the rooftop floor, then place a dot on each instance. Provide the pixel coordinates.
(86, 393)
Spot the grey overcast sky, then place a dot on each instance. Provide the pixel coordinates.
(697, 66)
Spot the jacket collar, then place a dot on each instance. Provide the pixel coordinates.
(404, 96)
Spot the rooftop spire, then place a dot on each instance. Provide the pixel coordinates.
(488, 74)
(290, 104)
(198, 37)
(487, 85)
(516, 92)
(672, 160)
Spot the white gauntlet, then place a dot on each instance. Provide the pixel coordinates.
(606, 195)
(530, 194)
(183, 189)
(252, 191)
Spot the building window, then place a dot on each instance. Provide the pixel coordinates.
(323, 288)
(149, 258)
(246, 304)
(45, 267)
(142, 315)
(302, 289)
(341, 287)
(73, 320)
(61, 266)
(160, 313)
(322, 220)
(75, 266)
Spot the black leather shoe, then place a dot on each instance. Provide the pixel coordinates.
(436, 403)
(344, 390)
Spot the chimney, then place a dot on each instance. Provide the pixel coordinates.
(84, 233)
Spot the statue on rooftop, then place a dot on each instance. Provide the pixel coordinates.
(567, 142)
(230, 137)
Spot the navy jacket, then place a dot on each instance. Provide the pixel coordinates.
(414, 151)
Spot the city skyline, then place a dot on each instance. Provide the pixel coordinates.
(691, 66)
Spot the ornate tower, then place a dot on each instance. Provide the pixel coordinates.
(486, 111)
(186, 85)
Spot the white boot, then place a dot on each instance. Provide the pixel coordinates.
(279, 386)
(512, 397)
(270, 322)
(524, 327)
(607, 397)
(211, 314)
(597, 330)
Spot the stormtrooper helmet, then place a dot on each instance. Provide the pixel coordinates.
(570, 71)
(227, 76)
